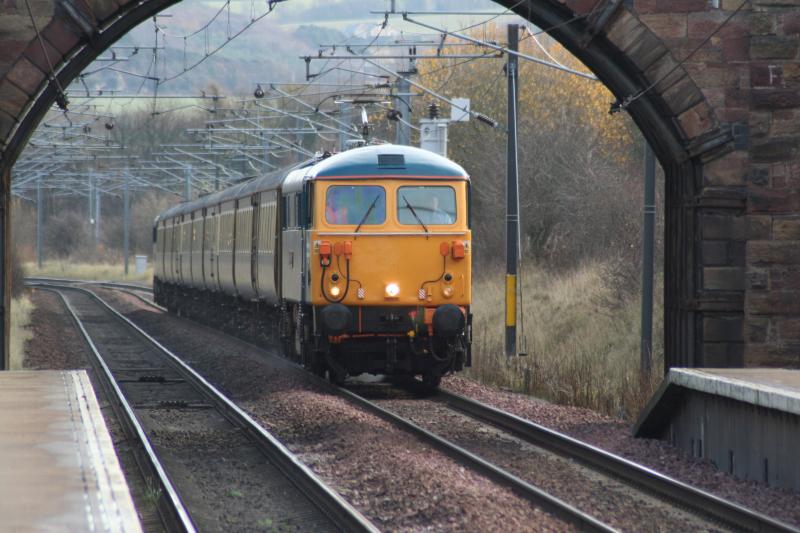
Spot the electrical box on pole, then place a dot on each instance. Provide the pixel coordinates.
(433, 132)
(512, 196)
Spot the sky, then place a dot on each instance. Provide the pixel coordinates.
(268, 50)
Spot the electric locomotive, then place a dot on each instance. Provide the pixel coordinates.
(362, 258)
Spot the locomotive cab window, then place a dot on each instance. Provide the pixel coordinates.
(426, 204)
(355, 204)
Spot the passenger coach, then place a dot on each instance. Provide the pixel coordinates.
(363, 258)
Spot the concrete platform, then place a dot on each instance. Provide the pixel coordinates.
(58, 468)
(746, 420)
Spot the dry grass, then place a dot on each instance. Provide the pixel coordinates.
(21, 311)
(580, 352)
(88, 271)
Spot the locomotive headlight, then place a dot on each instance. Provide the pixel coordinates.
(448, 292)
(335, 291)
(392, 290)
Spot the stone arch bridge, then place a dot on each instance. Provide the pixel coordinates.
(724, 124)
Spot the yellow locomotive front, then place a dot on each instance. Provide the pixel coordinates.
(390, 274)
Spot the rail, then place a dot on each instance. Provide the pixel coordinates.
(330, 503)
(699, 501)
(109, 284)
(170, 506)
(548, 502)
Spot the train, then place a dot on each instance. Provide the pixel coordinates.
(360, 259)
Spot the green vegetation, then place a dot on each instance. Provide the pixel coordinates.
(582, 342)
(152, 492)
(88, 271)
(21, 311)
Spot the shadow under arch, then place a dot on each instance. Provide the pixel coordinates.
(581, 30)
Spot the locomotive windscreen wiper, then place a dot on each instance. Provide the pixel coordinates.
(421, 223)
(364, 218)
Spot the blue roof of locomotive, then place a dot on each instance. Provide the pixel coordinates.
(357, 162)
(365, 162)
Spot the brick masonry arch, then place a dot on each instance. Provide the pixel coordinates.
(725, 125)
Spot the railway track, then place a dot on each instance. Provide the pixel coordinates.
(684, 498)
(569, 514)
(108, 284)
(561, 509)
(716, 512)
(194, 438)
(667, 488)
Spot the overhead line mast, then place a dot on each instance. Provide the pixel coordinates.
(512, 196)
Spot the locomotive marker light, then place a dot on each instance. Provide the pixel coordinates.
(325, 253)
(392, 290)
(335, 291)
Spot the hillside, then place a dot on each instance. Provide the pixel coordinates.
(269, 50)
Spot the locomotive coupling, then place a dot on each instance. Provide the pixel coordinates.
(448, 321)
(335, 318)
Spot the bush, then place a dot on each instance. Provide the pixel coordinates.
(579, 353)
(65, 233)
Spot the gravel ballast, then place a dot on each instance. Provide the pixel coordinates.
(615, 436)
(341, 442)
(617, 504)
(397, 481)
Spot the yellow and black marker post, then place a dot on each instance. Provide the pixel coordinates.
(512, 195)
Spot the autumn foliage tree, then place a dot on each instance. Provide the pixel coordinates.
(580, 167)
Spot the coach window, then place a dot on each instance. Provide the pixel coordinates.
(290, 218)
(429, 205)
(355, 204)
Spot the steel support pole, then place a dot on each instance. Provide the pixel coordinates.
(90, 194)
(512, 196)
(648, 237)
(39, 220)
(403, 132)
(344, 116)
(126, 221)
(97, 215)
(187, 183)
(5, 270)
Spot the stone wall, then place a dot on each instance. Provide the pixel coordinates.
(725, 124)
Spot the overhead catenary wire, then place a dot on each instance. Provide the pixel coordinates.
(503, 49)
(204, 29)
(61, 99)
